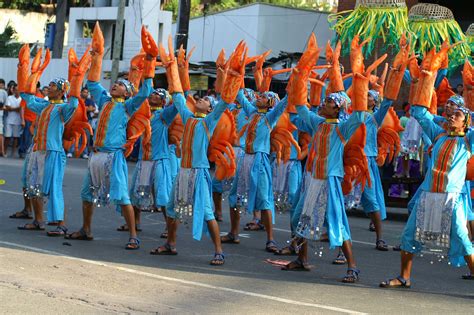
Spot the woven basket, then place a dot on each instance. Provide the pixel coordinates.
(470, 30)
(428, 11)
(380, 3)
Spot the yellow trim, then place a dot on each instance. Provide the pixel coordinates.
(262, 110)
(118, 100)
(56, 101)
(156, 107)
(332, 120)
(456, 134)
(199, 115)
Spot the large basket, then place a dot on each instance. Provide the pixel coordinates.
(428, 11)
(380, 3)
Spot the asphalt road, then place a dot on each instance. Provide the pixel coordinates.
(41, 275)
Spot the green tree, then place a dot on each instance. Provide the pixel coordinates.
(8, 45)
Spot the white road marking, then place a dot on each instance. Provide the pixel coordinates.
(186, 282)
(11, 192)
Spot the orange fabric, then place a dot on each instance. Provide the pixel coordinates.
(103, 124)
(251, 134)
(321, 147)
(29, 115)
(42, 132)
(187, 152)
(440, 174)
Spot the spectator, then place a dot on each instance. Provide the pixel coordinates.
(3, 100)
(14, 119)
(45, 92)
(459, 89)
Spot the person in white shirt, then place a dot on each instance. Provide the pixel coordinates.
(3, 99)
(14, 121)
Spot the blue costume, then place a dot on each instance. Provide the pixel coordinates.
(107, 175)
(322, 201)
(192, 190)
(254, 185)
(47, 162)
(439, 213)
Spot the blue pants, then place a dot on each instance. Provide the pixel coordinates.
(25, 138)
(372, 199)
(54, 167)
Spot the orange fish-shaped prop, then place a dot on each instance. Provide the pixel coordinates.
(220, 149)
(388, 139)
(356, 166)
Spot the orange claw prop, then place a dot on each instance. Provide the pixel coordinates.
(220, 71)
(356, 56)
(77, 70)
(183, 67)
(175, 134)
(444, 92)
(37, 70)
(470, 169)
(334, 73)
(23, 70)
(135, 73)
(304, 139)
(75, 129)
(468, 80)
(97, 53)
(235, 73)
(356, 166)
(316, 88)
(138, 125)
(281, 139)
(220, 146)
(148, 43)
(388, 139)
(258, 69)
(395, 76)
(268, 75)
(379, 84)
(171, 66)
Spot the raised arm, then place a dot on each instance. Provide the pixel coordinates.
(98, 93)
(168, 114)
(349, 126)
(68, 109)
(425, 119)
(34, 103)
(300, 124)
(310, 119)
(133, 103)
(180, 103)
(246, 105)
(382, 112)
(212, 119)
(277, 111)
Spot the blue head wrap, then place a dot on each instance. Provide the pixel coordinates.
(272, 98)
(62, 85)
(163, 94)
(337, 98)
(375, 95)
(250, 94)
(457, 100)
(211, 100)
(128, 86)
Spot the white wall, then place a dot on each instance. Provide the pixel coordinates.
(262, 26)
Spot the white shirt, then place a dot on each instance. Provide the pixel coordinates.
(3, 96)
(13, 118)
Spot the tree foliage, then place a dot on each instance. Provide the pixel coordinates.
(8, 45)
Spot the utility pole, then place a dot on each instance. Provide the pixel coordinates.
(117, 42)
(182, 29)
(61, 11)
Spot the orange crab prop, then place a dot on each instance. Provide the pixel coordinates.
(151, 50)
(268, 74)
(235, 73)
(183, 67)
(444, 92)
(334, 73)
(304, 139)
(138, 125)
(135, 74)
(36, 70)
(175, 134)
(378, 83)
(75, 130)
(221, 71)
(97, 51)
(388, 139)
(281, 139)
(468, 80)
(397, 71)
(77, 70)
(23, 69)
(220, 149)
(258, 69)
(169, 63)
(356, 166)
(360, 81)
(316, 88)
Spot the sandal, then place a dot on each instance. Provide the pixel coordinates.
(133, 243)
(23, 214)
(166, 249)
(371, 227)
(230, 238)
(124, 228)
(164, 234)
(397, 248)
(218, 260)
(468, 276)
(381, 245)
(352, 275)
(254, 226)
(61, 230)
(340, 259)
(296, 265)
(403, 283)
(271, 246)
(80, 235)
(33, 226)
(286, 251)
(218, 217)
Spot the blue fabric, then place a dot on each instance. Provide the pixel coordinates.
(163, 182)
(295, 180)
(25, 139)
(202, 206)
(460, 244)
(372, 123)
(54, 166)
(174, 162)
(372, 199)
(260, 191)
(118, 182)
(217, 186)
